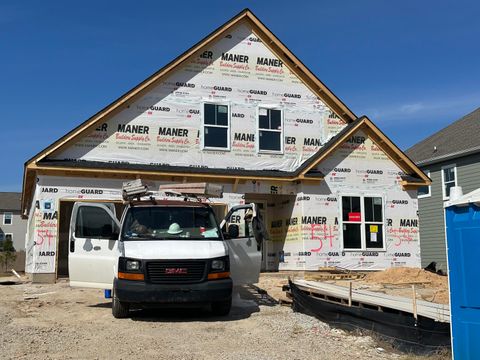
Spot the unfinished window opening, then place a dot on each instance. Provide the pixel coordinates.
(270, 130)
(216, 126)
(362, 222)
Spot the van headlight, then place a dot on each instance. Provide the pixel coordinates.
(132, 265)
(218, 265)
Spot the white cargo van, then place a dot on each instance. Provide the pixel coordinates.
(164, 252)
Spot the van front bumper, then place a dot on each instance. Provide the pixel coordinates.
(140, 292)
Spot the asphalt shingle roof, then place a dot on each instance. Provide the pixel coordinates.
(10, 201)
(455, 140)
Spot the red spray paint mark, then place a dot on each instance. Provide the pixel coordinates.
(42, 235)
(324, 233)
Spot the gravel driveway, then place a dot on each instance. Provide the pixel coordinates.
(59, 322)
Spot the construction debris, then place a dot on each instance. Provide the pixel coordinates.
(413, 325)
(16, 274)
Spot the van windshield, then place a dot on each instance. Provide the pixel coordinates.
(170, 222)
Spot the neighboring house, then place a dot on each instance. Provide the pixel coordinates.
(12, 226)
(450, 157)
(241, 110)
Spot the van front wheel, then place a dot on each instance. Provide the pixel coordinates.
(221, 308)
(120, 310)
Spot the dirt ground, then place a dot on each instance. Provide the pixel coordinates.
(55, 321)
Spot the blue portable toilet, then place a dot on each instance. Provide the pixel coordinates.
(462, 220)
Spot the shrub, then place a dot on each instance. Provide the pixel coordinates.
(7, 256)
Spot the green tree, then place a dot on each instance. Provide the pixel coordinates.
(8, 255)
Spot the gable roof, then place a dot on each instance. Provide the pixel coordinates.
(457, 139)
(268, 39)
(245, 16)
(10, 201)
(39, 163)
(413, 175)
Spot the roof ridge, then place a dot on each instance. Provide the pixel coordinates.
(464, 117)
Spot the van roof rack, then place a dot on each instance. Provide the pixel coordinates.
(136, 189)
(197, 191)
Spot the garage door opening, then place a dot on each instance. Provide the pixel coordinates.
(65, 214)
(276, 210)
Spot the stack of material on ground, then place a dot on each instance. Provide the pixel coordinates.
(390, 303)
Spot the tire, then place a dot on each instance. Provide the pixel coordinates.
(120, 310)
(222, 308)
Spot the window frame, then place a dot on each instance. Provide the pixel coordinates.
(282, 134)
(362, 222)
(11, 218)
(454, 166)
(229, 126)
(427, 172)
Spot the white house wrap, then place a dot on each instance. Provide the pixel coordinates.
(239, 109)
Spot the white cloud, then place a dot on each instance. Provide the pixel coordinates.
(427, 110)
(411, 108)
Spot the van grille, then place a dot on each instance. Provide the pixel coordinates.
(174, 271)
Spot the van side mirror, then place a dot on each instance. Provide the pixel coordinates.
(233, 231)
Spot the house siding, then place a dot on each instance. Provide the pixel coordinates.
(431, 213)
(18, 229)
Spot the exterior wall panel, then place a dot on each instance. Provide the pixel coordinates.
(166, 126)
(431, 213)
(239, 72)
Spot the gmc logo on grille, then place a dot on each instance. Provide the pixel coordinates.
(176, 271)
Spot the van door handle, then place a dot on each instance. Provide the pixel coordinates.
(97, 248)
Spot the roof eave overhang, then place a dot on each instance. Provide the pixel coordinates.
(414, 185)
(390, 149)
(451, 156)
(302, 174)
(32, 170)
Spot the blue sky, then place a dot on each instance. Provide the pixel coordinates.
(411, 66)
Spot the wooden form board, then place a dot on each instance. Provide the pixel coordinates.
(437, 312)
